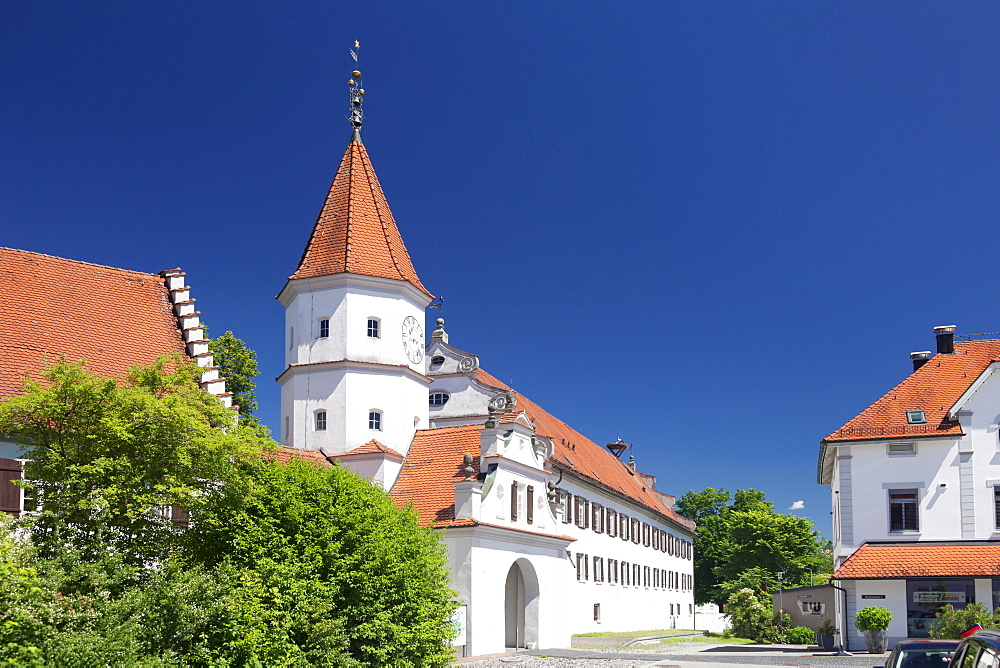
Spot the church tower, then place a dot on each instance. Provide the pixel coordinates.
(354, 325)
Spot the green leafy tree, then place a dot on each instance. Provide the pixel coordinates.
(108, 459)
(326, 541)
(238, 365)
(742, 532)
(282, 565)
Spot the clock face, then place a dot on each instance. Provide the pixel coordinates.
(413, 339)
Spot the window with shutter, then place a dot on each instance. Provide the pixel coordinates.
(10, 495)
(530, 495)
(568, 508)
(513, 501)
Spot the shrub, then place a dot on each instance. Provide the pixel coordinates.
(953, 622)
(872, 618)
(781, 624)
(748, 616)
(800, 635)
(827, 628)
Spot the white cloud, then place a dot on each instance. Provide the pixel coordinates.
(798, 505)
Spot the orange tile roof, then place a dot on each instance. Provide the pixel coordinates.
(933, 388)
(51, 306)
(373, 447)
(921, 560)
(576, 453)
(432, 465)
(355, 231)
(284, 454)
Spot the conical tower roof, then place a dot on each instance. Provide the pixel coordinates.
(355, 231)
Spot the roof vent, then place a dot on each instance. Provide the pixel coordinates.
(945, 339)
(920, 358)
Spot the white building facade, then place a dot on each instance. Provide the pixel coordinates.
(547, 533)
(915, 490)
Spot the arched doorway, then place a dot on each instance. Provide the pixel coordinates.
(521, 605)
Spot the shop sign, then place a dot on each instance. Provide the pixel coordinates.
(873, 596)
(938, 597)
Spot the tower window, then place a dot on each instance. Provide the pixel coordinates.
(324, 328)
(437, 360)
(438, 398)
(375, 420)
(374, 330)
(320, 420)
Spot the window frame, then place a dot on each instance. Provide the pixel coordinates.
(319, 420)
(374, 329)
(438, 393)
(324, 328)
(900, 492)
(375, 421)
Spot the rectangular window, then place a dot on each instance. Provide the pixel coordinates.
(598, 569)
(916, 417)
(612, 522)
(636, 574)
(320, 420)
(902, 449)
(656, 578)
(996, 507)
(623, 526)
(324, 328)
(635, 531)
(597, 612)
(579, 567)
(625, 573)
(373, 328)
(568, 508)
(645, 576)
(596, 517)
(530, 505)
(375, 420)
(903, 510)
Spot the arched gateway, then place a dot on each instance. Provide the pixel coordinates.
(521, 605)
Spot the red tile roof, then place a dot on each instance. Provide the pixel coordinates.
(933, 388)
(284, 454)
(576, 453)
(355, 231)
(432, 465)
(921, 560)
(373, 447)
(50, 306)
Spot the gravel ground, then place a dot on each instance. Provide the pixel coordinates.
(630, 657)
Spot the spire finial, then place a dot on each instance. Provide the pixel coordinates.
(357, 116)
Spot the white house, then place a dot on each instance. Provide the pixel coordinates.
(548, 533)
(915, 486)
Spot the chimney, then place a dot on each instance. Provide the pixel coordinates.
(945, 339)
(920, 358)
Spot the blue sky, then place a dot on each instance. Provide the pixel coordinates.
(713, 229)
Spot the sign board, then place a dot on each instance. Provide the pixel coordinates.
(873, 596)
(938, 597)
(458, 621)
(812, 607)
